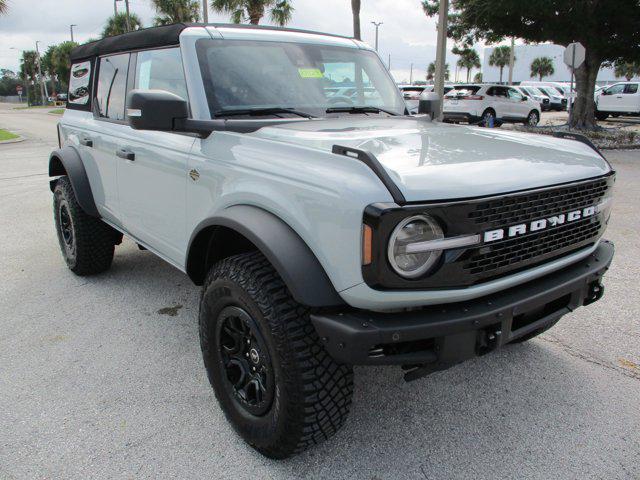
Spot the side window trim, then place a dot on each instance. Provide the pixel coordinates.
(95, 109)
(134, 67)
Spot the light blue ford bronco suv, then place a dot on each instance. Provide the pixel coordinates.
(280, 170)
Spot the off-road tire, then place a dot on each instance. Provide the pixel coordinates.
(91, 247)
(312, 392)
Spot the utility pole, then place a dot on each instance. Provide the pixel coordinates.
(115, 7)
(411, 75)
(512, 58)
(205, 12)
(71, 29)
(126, 2)
(441, 56)
(43, 87)
(377, 24)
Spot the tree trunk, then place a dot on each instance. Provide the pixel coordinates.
(256, 12)
(501, 74)
(583, 114)
(468, 75)
(355, 7)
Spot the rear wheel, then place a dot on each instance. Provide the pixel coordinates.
(488, 118)
(274, 380)
(533, 118)
(87, 243)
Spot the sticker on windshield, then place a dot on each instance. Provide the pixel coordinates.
(310, 73)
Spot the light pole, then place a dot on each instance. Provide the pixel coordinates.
(205, 12)
(126, 3)
(43, 87)
(441, 56)
(377, 24)
(115, 7)
(71, 30)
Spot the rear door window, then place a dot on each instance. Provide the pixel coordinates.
(112, 86)
(631, 88)
(161, 70)
(79, 83)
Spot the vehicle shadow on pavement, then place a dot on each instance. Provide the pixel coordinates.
(510, 411)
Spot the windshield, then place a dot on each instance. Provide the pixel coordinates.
(246, 75)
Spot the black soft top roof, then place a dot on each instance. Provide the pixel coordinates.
(156, 37)
(137, 40)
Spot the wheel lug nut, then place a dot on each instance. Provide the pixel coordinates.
(246, 354)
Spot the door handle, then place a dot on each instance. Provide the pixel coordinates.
(87, 142)
(126, 154)
(618, 96)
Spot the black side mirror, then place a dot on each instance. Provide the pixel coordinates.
(525, 98)
(155, 110)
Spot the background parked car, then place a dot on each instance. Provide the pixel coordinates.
(537, 95)
(485, 104)
(619, 99)
(411, 94)
(556, 100)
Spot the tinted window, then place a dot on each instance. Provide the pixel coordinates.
(112, 86)
(631, 88)
(497, 92)
(514, 94)
(463, 90)
(161, 70)
(615, 89)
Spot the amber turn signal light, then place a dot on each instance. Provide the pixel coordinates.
(367, 235)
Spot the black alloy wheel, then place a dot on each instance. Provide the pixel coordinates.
(246, 363)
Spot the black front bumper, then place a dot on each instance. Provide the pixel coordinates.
(437, 337)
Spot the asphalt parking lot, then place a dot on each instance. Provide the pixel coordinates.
(101, 377)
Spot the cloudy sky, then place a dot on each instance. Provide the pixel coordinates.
(407, 34)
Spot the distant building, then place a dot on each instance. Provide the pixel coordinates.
(525, 54)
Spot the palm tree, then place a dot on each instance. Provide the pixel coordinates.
(48, 67)
(253, 10)
(355, 8)
(62, 61)
(500, 58)
(117, 24)
(176, 11)
(28, 73)
(542, 67)
(4, 7)
(431, 71)
(469, 59)
(627, 70)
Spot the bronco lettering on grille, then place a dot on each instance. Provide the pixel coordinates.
(536, 225)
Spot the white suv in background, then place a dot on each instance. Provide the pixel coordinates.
(537, 95)
(619, 99)
(486, 104)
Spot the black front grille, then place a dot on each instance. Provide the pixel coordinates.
(485, 262)
(542, 245)
(523, 208)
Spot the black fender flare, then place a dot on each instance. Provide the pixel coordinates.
(67, 161)
(281, 245)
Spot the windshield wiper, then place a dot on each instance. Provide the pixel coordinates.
(228, 112)
(360, 109)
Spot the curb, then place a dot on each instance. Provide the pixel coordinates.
(13, 140)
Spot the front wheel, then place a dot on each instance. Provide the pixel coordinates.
(532, 119)
(274, 380)
(601, 115)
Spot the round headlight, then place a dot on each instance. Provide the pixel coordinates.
(416, 229)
